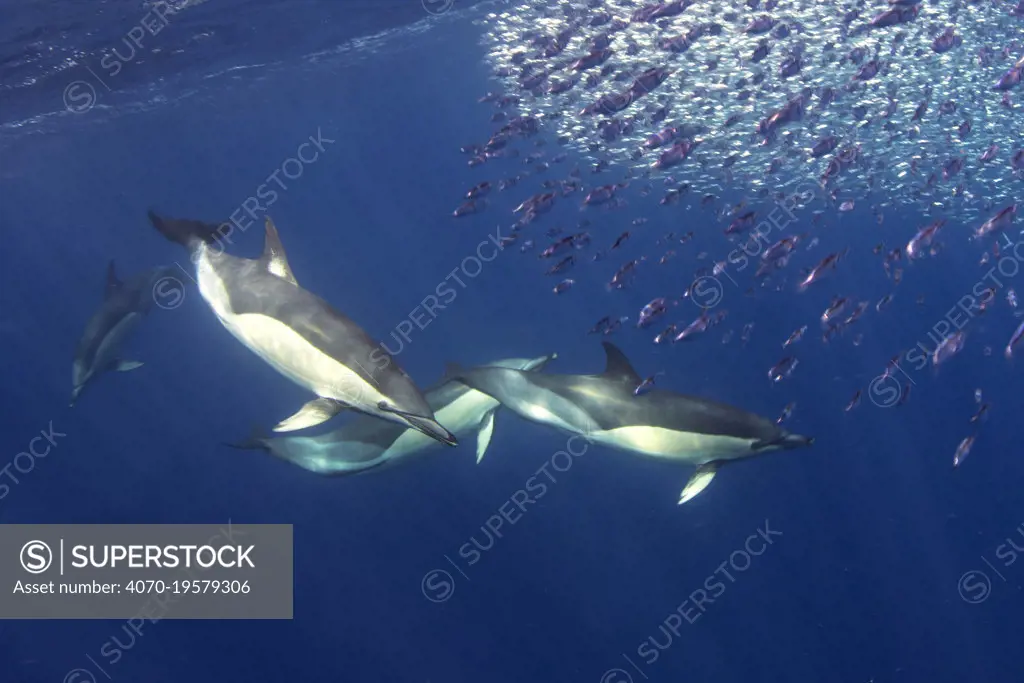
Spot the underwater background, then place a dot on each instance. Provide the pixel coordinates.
(886, 563)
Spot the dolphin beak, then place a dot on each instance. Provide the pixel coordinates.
(538, 363)
(426, 425)
(784, 442)
(433, 429)
(797, 441)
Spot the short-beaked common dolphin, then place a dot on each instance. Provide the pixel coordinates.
(299, 334)
(124, 305)
(367, 443)
(663, 424)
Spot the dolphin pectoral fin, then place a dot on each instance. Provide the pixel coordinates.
(122, 365)
(483, 437)
(698, 482)
(313, 413)
(274, 259)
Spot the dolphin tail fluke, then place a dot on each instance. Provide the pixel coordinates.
(255, 441)
(315, 412)
(185, 231)
(698, 482)
(483, 437)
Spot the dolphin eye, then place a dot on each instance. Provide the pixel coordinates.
(381, 405)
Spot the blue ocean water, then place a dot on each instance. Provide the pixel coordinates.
(880, 550)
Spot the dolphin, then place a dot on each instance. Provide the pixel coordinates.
(368, 443)
(124, 305)
(297, 333)
(662, 424)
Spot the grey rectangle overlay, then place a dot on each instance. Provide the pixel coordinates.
(146, 571)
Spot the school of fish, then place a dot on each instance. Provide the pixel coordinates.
(737, 112)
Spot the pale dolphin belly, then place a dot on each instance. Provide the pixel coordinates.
(690, 447)
(284, 349)
(319, 457)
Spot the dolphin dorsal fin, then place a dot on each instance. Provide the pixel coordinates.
(274, 258)
(451, 371)
(618, 366)
(113, 283)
